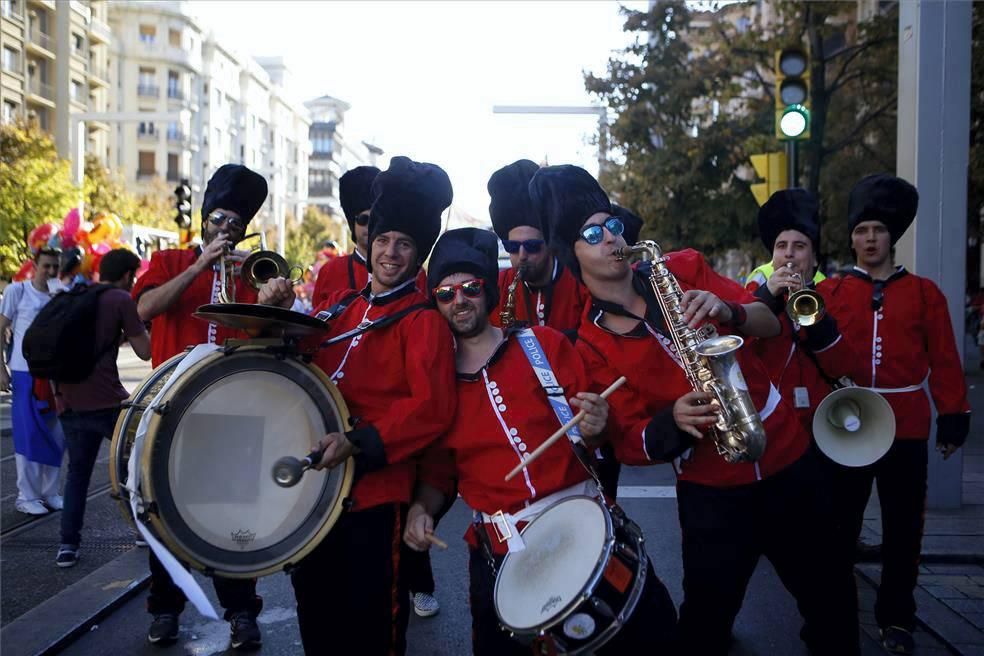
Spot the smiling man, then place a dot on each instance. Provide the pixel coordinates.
(548, 295)
(395, 370)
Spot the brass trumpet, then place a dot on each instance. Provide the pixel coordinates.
(259, 267)
(805, 306)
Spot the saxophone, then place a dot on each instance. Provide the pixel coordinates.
(709, 363)
(507, 316)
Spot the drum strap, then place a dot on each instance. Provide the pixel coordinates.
(555, 394)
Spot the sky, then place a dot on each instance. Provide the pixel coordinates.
(422, 77)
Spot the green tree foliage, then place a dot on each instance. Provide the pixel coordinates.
(693, 99)
(304, 237)
(105, 191)
(35, 188)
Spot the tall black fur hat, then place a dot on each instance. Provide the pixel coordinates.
(466, 250)
(355, 192)
(237, 188)
(885, 198)
(511, 206)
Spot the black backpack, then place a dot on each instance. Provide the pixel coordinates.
(59, 344)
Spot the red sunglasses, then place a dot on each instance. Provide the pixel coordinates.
(470, 288)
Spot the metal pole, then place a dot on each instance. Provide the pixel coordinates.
(791, 164)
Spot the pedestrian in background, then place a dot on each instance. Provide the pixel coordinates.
(38, 440)
(92, 406)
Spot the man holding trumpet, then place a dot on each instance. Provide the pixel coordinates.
(503, 414)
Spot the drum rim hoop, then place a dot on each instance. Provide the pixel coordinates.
(335, 508)
(593, 579)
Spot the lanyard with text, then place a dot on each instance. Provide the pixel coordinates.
(544, 373)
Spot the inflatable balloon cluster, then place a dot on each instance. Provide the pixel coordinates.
(90, 240)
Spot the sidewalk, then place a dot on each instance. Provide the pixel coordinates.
(950, 593)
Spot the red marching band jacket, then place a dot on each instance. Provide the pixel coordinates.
(176, 329)
(348, 272)
(558, 305)
(640, 413)
(502, 414)
(906, 340)
(398, 380)
(787, 357)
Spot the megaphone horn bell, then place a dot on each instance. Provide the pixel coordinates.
(854, 426)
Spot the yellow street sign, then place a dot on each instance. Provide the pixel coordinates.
(771, 167)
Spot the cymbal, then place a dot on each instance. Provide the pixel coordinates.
(261, 320)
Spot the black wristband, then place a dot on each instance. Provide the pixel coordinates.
(822, 334)
(774, 303)
(663, 439)
(372, 455)
(738, 315)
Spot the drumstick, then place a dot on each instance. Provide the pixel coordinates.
(436, 541)
(538, 451)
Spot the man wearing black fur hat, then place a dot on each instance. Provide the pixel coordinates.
(177, 282)
(503, 413)
(730, 514)
(395, 371)
(802, 362)
(902, 321)
(548, 295)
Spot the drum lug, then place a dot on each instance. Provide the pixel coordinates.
(163, 408)
(602, 608)
(347, 503)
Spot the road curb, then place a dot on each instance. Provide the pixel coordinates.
(56, 623)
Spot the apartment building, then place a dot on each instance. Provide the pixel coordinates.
(56, 61)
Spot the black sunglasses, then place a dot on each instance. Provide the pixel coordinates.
(362, 219)
(218, 218)
(532, 246)
(470, 288)
(594, 234)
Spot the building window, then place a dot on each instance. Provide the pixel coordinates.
(174, 37)
(146, 128)
(174, 85)
(173, 174)
(146, 167)
(173, 133)
(78, 44)
(10, 59)
(8, 8)
(77, 91)
(146, 82)
(148, 33)
(9, 111)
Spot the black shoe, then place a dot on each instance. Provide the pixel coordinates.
(867, 553)
(897, 640)
(163, 630)
(68, 556)
(245, 632)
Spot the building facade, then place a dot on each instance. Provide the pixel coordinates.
(57, 62)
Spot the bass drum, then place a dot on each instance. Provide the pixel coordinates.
(211, 443)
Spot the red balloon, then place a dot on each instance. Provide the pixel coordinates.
(26, 271)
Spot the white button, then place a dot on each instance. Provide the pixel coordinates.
(877, 361)
(513, 431)
(518, 440)
(498, 399)
(878, 339)
(341, 374)
(522, 447)
(881, 316)
(502, 407)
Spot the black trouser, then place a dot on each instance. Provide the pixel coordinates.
(608, 468)
(901, 479)
(235, 595)
(650, 630)
(350, 596)
(415, 567)
(788, 519)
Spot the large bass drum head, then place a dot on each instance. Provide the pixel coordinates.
(126, 428)
(565, 546)
(207, 466)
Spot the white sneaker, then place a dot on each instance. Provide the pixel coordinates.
(425, 605)
(56, 502)
(31, 507)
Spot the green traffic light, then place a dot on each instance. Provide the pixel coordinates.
(795, 121)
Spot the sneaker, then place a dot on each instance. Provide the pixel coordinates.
(245, 633)
(67, 556)
(897, 640)
(31, 507)
(56, 502)
(425, 605)
(138, 540)
(163, 630)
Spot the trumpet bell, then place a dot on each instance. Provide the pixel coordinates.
(262, 266)
(854, 426)
(805, 307)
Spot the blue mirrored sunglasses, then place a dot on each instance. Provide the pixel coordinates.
(594, 234)
(532, 246)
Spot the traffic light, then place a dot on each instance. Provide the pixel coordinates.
(792, 71)
(182, 204)
(772, 168)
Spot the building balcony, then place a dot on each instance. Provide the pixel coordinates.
(41, 43)
(12, 12)
(50, 4)
(322, 154)
(148, 91)
(321, 190)
(175, 94)
(99, 31)
(40, 89)
(177, 137)
(98, 76)
(174, 176)
(147, 136)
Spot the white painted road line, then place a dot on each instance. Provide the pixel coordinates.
(646, 492)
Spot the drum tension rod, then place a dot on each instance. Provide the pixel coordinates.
(163, 408)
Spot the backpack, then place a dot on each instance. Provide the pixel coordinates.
(58, 345)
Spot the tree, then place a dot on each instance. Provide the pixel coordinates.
(693, 98)
(105, 191)
(35, 188)
(304, 237)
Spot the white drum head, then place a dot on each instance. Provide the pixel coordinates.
(563, 548)
(222, 485)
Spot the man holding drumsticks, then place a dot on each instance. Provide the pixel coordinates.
(503, 414)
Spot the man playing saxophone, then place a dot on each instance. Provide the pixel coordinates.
(730, 514)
